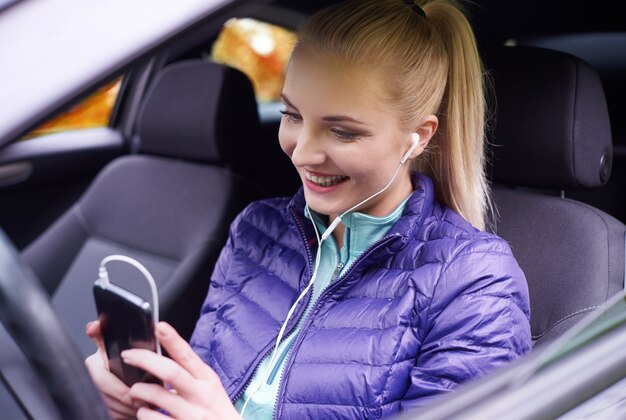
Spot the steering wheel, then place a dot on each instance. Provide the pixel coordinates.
(27, 314)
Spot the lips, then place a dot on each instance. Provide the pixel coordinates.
(324, 180)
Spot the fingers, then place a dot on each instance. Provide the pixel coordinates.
(182, 353)
(158, 396)
(117, 409)
(148, 414)
(93, 328)
(95, 333)
(109, 385)
(202, 395)
(163, 368)
(199, 391)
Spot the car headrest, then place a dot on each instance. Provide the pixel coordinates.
(606, 52)
(552, 126)
(200, 111)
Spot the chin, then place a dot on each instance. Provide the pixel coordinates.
(323, 208)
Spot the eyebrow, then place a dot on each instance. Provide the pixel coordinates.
(328, 118)
(287, 101)
(340, 118)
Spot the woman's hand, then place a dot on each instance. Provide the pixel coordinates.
(196, 390)
(115, 393)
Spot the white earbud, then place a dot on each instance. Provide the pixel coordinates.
(415, 139)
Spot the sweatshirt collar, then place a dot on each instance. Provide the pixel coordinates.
(418, 206)
(361, 229)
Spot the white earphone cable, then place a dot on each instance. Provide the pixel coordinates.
(337, 220)
(274, 353)
(324, 236)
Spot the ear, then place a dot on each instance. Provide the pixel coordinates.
(426, 129)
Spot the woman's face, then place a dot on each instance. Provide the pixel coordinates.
(343, 140)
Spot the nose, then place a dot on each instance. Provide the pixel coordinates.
(308, 150)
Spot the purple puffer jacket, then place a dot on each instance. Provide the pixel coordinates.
(431, 305)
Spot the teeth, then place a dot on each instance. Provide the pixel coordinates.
(324, 181)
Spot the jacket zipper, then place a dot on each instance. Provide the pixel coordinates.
(269, 346)
(334, 275)
(329, 290)
(336, 272)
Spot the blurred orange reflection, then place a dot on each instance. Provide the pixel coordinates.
(258, 49)
(93, 111)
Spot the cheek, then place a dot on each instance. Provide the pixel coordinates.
(367, 166)
(287, 138)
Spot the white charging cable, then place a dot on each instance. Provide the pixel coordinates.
(104, 277)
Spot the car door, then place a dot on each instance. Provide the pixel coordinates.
(46, 170)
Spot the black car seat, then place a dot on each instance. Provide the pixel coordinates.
(168, 206)
(605, 52)
(552, 133)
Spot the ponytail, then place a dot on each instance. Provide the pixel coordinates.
(458, 166)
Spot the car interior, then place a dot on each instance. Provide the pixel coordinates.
(188, 146)
(571, 252)
(168, 205)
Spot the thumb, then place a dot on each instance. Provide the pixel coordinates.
(94, 331)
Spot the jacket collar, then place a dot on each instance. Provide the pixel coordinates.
(417, 209)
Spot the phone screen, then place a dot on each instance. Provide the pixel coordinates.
(126, 322)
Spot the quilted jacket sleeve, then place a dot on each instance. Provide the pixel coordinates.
(478, 319)
(217, 294)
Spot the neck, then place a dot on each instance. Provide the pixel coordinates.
(385, 208)
(338, 234)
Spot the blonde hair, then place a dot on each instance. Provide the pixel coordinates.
(431, 66)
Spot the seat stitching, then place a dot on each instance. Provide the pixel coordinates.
(82, 220)
(587, 309)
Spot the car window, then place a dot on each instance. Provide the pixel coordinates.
(93, 111)
(260, 50)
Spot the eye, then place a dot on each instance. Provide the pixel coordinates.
(346, 136)
(291, 116)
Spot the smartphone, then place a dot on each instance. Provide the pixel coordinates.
(126, 322)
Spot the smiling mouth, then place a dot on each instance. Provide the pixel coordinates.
(325, 181)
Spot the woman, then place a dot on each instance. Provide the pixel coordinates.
(374, 289)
